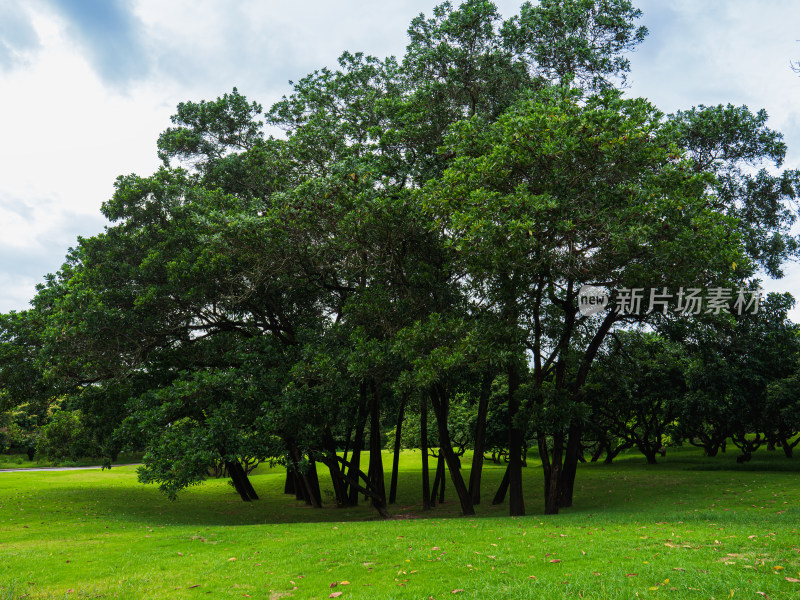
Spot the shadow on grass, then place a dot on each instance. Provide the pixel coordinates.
(683, 485)
(782, 465)
(216, 503)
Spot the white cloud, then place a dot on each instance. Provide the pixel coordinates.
(67, 136)
(18, 39)
(711, 53)
(110, 36)
(737, 52)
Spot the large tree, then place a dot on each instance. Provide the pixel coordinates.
(423, 224)
(566, 190)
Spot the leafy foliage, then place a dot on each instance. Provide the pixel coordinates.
(420, 231)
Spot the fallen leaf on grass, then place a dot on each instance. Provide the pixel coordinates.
(631, 575)
(555, 560)
(458, 591)
(194, 586)
(335, 594)
(344, 583)
(792, 580)
(333, 585)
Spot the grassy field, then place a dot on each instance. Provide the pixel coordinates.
(20, 461)
(689, 527)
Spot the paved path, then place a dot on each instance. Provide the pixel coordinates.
(40, 469)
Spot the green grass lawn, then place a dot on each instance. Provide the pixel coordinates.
(20, 461)
(690, 527)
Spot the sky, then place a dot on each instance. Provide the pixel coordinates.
(86, 86)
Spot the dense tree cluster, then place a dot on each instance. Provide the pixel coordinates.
(407, 258)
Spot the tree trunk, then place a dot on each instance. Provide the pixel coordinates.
(313, 484)
(597, 453)
(289, 486)
(358, 445)
(500, 496)
(397, 445)
(442, 477)
(480, 439)
(571, 459)
(238, 484)
(312, 490)
(339, 485)
(248, 487)
(787, 448)
(441, 401)
(711, 450)
(375, 458)
(544, 455)
(423, 423)
(516, 500)
(553, 484)
(611, 454)
(304, 483)
(369, 474)
(437, 480)
(300, 491)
